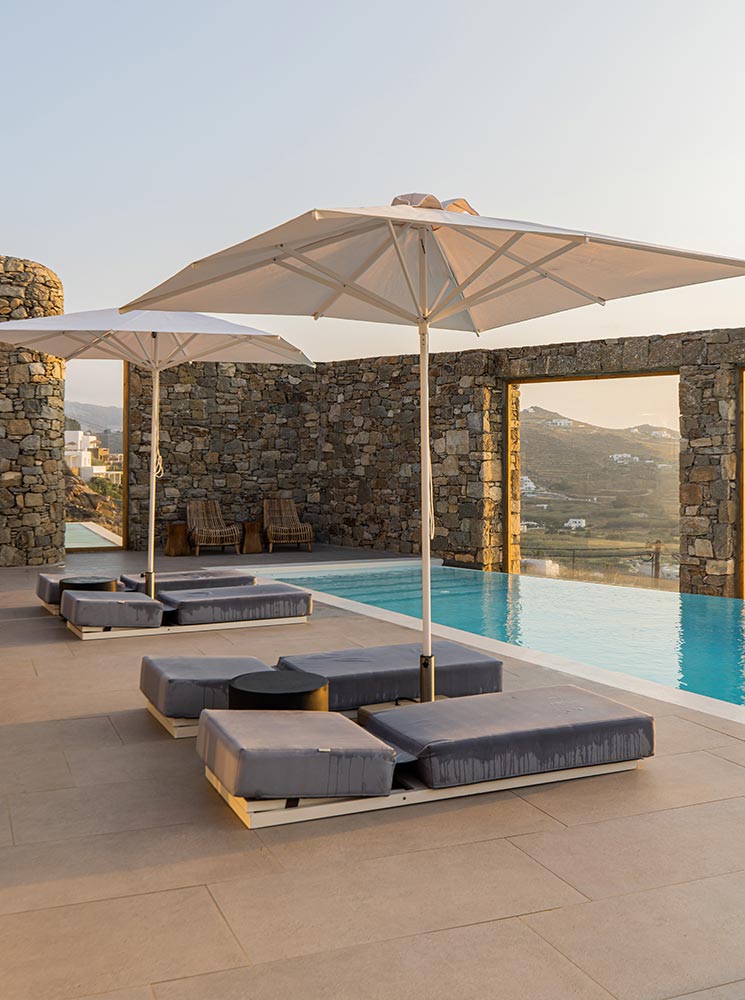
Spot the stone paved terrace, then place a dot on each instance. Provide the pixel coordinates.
(123, 876)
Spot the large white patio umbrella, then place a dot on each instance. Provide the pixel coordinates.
(427, 264)
(156, 341)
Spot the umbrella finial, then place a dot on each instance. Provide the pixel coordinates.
(417, 200)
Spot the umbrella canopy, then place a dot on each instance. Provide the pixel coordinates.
(156, 341)
(427, 263)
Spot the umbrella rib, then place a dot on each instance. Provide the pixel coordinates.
(238, 339)
(129, 354)
(404, 268)
(498, 252)
(454, 280)
(498, 293)
(273, 258)
(180, 347)
(334, 280)
(365, 266)
(88, 344)
(478, 297)
(29, 344)
(552, 277)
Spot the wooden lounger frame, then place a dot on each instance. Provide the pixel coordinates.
(257, 813)
(91, 632)
(177, 728)
(53, 609)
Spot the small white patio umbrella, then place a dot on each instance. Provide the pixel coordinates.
(156, 341)
(427, 264)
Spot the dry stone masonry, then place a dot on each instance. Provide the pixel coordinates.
(343, 442)
(32, 493)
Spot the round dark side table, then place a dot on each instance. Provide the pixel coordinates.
(280, 690)
(86, 583)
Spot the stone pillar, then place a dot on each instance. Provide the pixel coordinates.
(709, 388)
(32, 481)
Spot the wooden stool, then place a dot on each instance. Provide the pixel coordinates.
(177, 543)
(251, 537)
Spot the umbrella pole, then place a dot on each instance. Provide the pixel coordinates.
(154, 450)
(426, 660)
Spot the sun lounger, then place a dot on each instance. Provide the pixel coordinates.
(515, 734)
(194, 580)
(47, 590)
(104, 610)
(292, 755)
(391, 673)
(178, 688)
(262, 602)
(445, 749)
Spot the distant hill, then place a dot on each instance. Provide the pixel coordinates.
(573, 457)
(95, 418)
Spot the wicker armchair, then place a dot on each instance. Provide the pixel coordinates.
(206, 526)
(284, 527)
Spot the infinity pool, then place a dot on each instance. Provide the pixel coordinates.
(682, 640)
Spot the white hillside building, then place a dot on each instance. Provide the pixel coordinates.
(576, 523)
(527, 485)
(559, 422)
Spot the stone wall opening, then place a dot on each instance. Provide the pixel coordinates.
(596, 497)
(95, 456)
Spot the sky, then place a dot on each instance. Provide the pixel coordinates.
(153, 133)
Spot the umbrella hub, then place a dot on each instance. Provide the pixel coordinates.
(417, 200)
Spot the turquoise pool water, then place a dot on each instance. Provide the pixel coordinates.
(682, 640)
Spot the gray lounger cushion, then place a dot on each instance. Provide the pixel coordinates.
(389, 673)
(236, 604)
(47, 586)
(277, 755)
(195, 580)
(181, 686)
(110, 610)
(516, 733)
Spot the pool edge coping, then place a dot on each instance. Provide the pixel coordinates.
(552, 661)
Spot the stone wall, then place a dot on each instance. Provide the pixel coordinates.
(32, 494)
(343, 441)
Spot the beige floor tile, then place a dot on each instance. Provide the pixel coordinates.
(6, 834)
(32, 770)
(57, 734)
(346, 839)
(13, 669)
(138, 726)
(641, 852)
(659, 783)
(732, 991)
(734, 751)
(494, 961)
(315, 910)
(68, 704)
(136, 993)
(72, 951)
(173, 760)
(656, 944)
(132, 805)
(34, 876)
(678, 735)
(735, 729)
